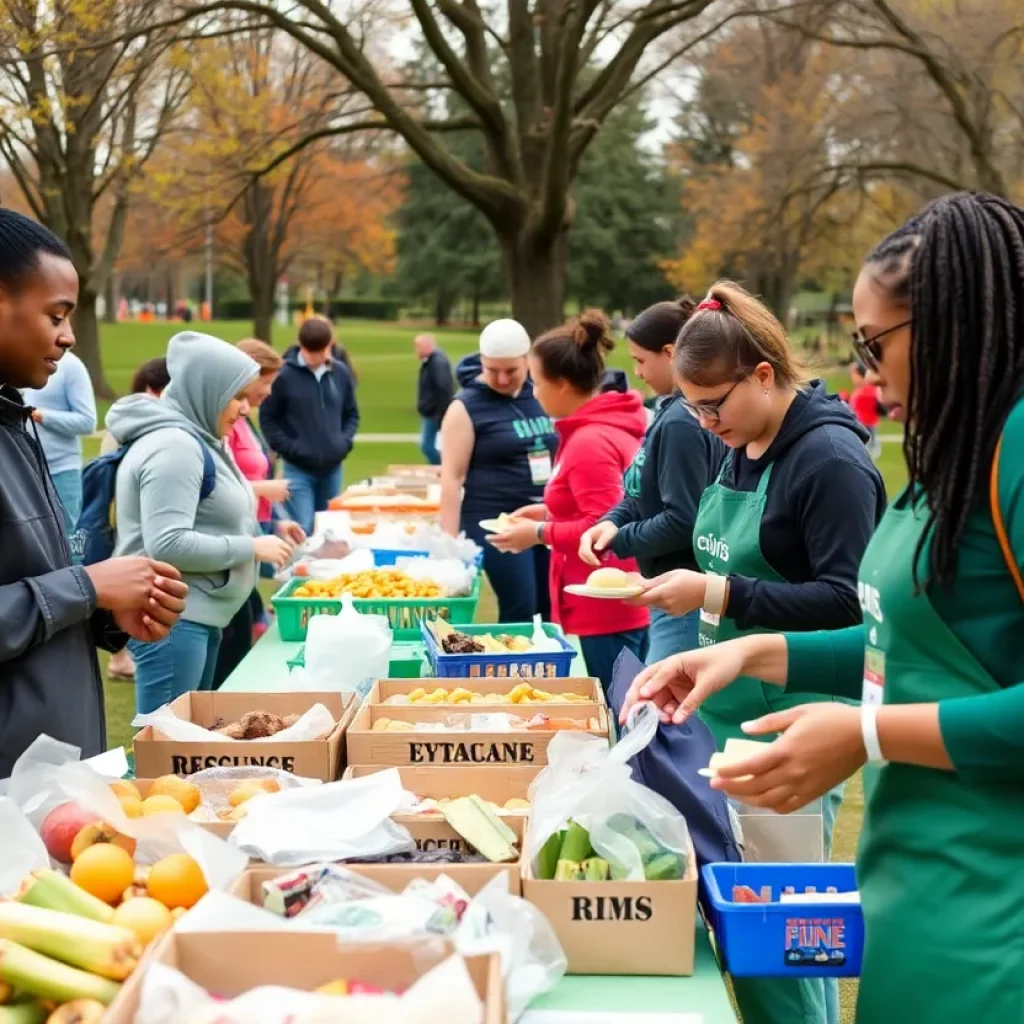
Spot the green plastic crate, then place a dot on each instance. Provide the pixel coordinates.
(293, 614)
(408, 658)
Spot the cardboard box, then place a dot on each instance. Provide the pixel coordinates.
(323, 759)
(522, 747)
(438, 783)
(632, 928)
(588, 687)
(231, 963)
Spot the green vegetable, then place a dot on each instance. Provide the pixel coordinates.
(23, 1013)
(482, 828)
(667, 867)
(547, 859)
(569, 871)
(575, 850)
(596, 869)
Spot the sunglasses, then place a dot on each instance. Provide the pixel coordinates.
(712, 409)
(868, 350)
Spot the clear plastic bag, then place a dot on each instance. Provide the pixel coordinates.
(329, 544)
(337, 821)
(216, 785)
(591, 784)
(315, 724)
(24, 851)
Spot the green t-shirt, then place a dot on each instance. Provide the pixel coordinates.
(984, 734)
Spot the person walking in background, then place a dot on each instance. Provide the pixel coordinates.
(151, 378)
(256, 463)
(497, 452)
(654, 521)
(434, 393)
(182, 498)
(310, 419)
(599, 434)
(866, 403)
(64, 411)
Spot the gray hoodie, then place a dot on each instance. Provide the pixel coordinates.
(159, 513)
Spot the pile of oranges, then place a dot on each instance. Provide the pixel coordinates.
(371, 583)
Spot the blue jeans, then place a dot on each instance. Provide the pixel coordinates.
(185, 660)
(428, 440)
(600, 652)
(310, 493)
(520, 582)
(671, 634)
(68, 486)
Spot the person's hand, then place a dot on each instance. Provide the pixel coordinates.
(130, 584)
(678, 592)
(516, 537)
(537, 513)
(276, 491)
(37, 415)
(166, 605)
(596, 541)
(274, 551)
(290, 531)
(821, 745)
(679, 685)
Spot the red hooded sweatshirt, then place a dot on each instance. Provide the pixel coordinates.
(596, 445)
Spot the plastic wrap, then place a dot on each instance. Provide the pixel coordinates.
(216, 785)
(315, 724)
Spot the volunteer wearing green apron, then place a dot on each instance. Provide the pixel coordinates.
(778, 538)
(940, 310)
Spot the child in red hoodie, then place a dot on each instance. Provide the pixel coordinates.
(599, 433)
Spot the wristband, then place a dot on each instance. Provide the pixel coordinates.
(714, 593)
(869, 732)
(540, 532)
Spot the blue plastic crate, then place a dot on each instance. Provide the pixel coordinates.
(388, 556)
(545, 665)
(785, 940)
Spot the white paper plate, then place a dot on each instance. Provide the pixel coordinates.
(605, 593)
(495, 525)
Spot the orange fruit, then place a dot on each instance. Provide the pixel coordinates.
(186, 793)
(161, 804)
(145, 916)
(131, 805)
(104, 870)
(123, 788)
(176, 881)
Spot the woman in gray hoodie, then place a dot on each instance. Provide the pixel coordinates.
(166, 508)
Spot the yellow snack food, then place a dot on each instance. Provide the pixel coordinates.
(372, 584)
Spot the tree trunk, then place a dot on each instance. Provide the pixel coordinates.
(263, 312)
(535, 270)
(442, 307)
(87, 343)
(110, 313)
(476, 307)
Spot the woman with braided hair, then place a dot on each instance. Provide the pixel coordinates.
(940, 313)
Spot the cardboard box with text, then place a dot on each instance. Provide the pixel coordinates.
(585, 686)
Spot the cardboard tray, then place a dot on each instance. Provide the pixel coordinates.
(231, 963)
(622, 928)
(322, 759)
(589, 687)
(495, 749)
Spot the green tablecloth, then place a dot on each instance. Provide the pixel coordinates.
(265, 669)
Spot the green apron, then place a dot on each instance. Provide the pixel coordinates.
(939, 858)
(727, 541)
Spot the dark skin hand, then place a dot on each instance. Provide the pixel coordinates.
(146, 597)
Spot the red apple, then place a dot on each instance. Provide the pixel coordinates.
(60, 827)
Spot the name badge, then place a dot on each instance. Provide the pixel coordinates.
(873, 689)
(540, 466)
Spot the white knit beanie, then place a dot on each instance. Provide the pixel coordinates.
(504, 339)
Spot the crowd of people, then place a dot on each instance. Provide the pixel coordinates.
(781, 596)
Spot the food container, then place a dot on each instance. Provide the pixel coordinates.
(487, 665)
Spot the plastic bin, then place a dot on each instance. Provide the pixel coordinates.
(546, 665)
(294, 613)
(389, 556)
(785, 940)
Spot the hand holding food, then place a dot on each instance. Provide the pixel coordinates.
(596, 541)
(518, 535)
(678, 592)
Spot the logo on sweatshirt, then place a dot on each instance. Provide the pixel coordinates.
(631, 480)
(870, 601)
(714, 546)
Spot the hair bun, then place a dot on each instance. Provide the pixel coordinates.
(592, 330)
(688, 304)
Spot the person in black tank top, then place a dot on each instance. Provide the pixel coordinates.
(496, 455)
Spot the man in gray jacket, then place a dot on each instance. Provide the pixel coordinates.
(53, 614)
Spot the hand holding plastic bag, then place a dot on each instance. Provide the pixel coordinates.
(629, 824)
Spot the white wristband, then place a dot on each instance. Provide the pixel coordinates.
(869, 732)
(714, 593)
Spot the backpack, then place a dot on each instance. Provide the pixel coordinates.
(93, 539)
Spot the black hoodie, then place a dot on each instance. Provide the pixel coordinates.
(825, 498)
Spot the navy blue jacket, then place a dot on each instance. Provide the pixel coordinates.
(435, 388)
(663, 485)
(505, 430)
(311, 423)
(825, 498)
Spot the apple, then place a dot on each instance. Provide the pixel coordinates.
(60, 827)
(100, 832)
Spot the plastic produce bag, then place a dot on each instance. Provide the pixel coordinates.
(451, 574)
(49, 773)
(540, 640)
(315, 724)
(329, 544)
(216, 785)
(23, 850)
(343, 820)
(591, 784)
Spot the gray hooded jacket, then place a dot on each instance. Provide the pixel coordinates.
(159, 513)
(49, 677)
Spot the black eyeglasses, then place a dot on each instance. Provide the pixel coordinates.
(868, 350)
(712, 409)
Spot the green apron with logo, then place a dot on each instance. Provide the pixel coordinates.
(939, 860)
(727, 541)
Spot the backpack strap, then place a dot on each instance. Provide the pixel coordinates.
(1000, 525)
(209, 473)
